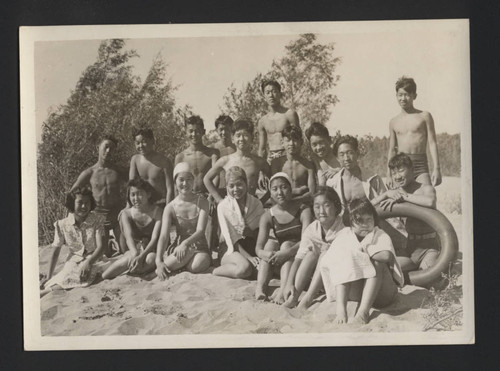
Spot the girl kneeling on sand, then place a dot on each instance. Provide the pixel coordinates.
(287, 218)
(361, 263)
(84, 235)
(140, 225)
(315, 241)
(239, 215)
(189, 213)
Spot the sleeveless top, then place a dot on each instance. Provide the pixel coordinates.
(290, 231)
(143, 231)
(187, 227)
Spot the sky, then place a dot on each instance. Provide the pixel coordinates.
(204, 67)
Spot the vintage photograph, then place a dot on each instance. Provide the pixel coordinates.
(237, 185)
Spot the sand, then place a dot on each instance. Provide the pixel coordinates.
(207, 304)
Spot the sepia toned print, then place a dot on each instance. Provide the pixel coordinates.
(294, 184)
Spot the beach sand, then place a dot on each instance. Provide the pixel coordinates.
(206, 304)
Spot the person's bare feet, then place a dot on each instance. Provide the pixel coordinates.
(361, 318)
(259, 294)
(291, 302)
(305, 302)
(277, 296)
(341, 316)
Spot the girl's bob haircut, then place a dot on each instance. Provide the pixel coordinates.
(331, 196)
(71, 197)
(140, 183)
(360, 207)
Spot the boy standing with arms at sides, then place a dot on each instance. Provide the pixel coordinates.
(323, 157)
(254, 166)
(423, 246)
(300, 170)
(411, 130)
(272, 124)
(106, 180)
(224, 126)
(152, 166)
(199, 157)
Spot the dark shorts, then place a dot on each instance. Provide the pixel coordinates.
(248, 244)
(423, 252)
(420, 164)
(110, 216)
(273, 155)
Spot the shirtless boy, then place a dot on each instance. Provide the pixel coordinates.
(323, 157)
(272, 124)
(254, 166)
(300, 170)
(199, 157)
(411, 130)
(106, 180)
(225, 145)
(152, 166)
(423, 246)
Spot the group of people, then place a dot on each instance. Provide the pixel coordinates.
(312, 222)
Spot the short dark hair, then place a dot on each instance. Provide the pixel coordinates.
(407, 83)
(140, 183)
(274, 83)
(110, 138)
(292, 132)
(71, 197)
(345, 139)
(317, 129)
(331, 195)
(359, 207)
(242, 124)
(195, 120)
(223, 120)
(400, 160)
(145, 132)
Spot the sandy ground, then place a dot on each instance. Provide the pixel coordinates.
(201, 304)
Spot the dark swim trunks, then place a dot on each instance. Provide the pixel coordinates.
(420, 164)
(110, 216)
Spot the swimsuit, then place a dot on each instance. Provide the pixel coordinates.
(420, 165)
(290, 231)
(275, 154)
(187, 227)
(110, 216)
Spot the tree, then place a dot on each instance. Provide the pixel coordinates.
(307, 76)
(107, 100)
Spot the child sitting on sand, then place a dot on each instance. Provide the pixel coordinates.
(316, 240)
(239, 215)
(323, 157)
(140, 226)
(288, 218)
(360, 259)
(189, 213)
(423, 246)
(84, 234)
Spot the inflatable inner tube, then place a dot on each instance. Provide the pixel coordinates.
(447, 235)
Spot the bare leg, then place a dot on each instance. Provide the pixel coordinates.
(173, 264)
(370, 291)
(407, 265)
(118, 267)
(424, 178)
(234, 265)
(303, 277)
(50, 289)
(264, 272)
(199, 263)
(277, 296)
(312, 292)
(342, 293)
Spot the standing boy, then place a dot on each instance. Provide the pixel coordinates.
(225, 145)
(324, 159)
(411, 130)
(300, 170)
(199, 157)
(272, 124)
(152, 166)
(423, 246)
(255, 167)
(105, 179)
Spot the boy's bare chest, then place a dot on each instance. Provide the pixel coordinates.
(353, 188)
(410, 124)
(246, 163)
(296, 170)
(148, 169)
(198, 161)
(275, 123)
(104, 178)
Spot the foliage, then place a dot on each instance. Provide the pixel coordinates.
(307, 76)
(444, 307)
(107, 100)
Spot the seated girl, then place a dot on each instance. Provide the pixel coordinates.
(82, 232)
(316, 240)
(361, 263)
(288, 218)
(239, 215)
(140, 227)
(188, 212)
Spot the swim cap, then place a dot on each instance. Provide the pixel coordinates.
(182, 167)
(281, 175)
